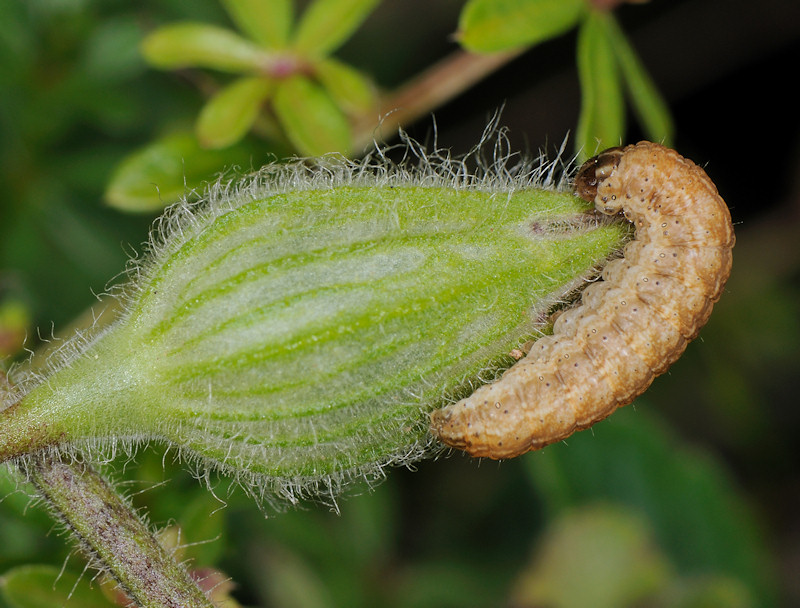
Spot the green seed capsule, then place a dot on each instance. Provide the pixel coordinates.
(297, 334)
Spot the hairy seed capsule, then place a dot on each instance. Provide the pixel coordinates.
(299, 331)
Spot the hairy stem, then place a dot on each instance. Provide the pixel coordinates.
(429, 90)
(112, 533)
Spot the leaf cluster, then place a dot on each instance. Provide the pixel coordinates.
(278, 61)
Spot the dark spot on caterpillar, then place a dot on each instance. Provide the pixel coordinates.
(618, 349)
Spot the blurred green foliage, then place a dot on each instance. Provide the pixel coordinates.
(606, 63)
(81, 114)
(75, 98)
(283, 63)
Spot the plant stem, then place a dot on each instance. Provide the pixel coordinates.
(112, 533)
(432, 88)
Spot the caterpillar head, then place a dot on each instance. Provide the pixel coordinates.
(592, 172)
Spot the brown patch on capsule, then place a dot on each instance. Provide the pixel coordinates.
(629, 328)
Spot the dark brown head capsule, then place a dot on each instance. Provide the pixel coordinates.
(595, 170)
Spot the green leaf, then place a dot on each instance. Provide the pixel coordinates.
(228, 116)
(298, 338)
(700, 522)
(447, 581)
(112, 51)
(650, 106)
(610, 550)
(268, 22)
(708, 592)
(24, 533)
(292, 581)
(162, 172)
(202, 530)
(200, 45)
(602, 120)
(312, 121)
(487, 26)
(327, 24)
(352, 90)
(47, 586)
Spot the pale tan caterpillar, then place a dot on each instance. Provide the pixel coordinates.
(629, 328)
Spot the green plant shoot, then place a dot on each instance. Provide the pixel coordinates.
(296, 331)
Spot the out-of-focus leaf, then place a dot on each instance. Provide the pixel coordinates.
(47, 587)
(115, 109)
(79, 237)
(112, 52)
(708, 592)
(326, 24)
(268, 22)
(698, 520)
(372, 520)
(486, 26)
(202, 530)
(227, 116)
(292, 581)
(23, 534)
(18, 39)
(201, 45)
(60, 243)
(162, 172)
(351, 89)
(602, 120)
(605, 547)
(449, 583)
(15, 322)
(312, 121)
(645, 97)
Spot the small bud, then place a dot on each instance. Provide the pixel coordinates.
(296, 331)
(15, 321)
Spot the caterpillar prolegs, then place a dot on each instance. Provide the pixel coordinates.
(629, 327)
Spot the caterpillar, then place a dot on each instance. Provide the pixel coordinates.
(629, 327)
